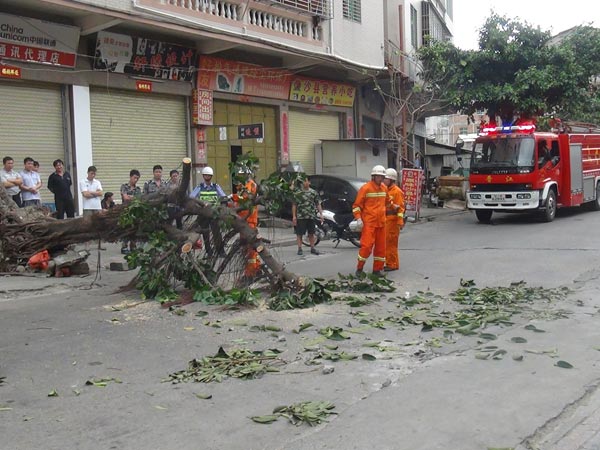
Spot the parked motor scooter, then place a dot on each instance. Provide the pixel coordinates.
(338, 227)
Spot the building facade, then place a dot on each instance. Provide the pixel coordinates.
(386, 106)
(127, 84)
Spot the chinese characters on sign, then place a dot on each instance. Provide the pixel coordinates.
(201, 147)
(285, 138)
(202, 108)
(218, 74)
(251, 131)
(143, 86)
(139, 56)
(10, 72)
(115, 50)
(412, 180)
(320, 92)
(248, 80)
(37, 41)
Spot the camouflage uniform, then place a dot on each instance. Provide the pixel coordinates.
(307, 203)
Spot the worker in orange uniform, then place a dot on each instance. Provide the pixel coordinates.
(244, 196)
(394, 220)
(369, 211)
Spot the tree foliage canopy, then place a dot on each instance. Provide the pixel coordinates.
(520, 70)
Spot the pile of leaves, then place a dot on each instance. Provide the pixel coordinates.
(311, 413)
(238, 363)
(232, 297)
(318, 290)
(313, 292)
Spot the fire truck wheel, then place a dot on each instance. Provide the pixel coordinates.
(484, 215)
(549, 211)
(596, 203)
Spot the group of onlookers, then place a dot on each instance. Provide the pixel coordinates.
(23, 187)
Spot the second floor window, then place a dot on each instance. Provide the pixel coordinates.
(351, 10)
(413, 27)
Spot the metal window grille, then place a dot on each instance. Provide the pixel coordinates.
(351, 10)
(320, 8)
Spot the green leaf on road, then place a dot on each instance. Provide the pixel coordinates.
(265, 419)
(482, 356)
(368, 357)
(488, 336)
(53, 393)
(534, 329)
(518, 340)
(563, 364)
(203, 396)
(498, 354)
(517, 357)
(304, 326)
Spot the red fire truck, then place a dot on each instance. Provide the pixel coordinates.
(515, 168)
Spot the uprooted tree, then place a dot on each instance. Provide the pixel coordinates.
(165, 254)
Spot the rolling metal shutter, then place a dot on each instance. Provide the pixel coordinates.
(32, 125)
(306, 130)
(132, 130)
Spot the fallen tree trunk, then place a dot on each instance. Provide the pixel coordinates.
(27, 231)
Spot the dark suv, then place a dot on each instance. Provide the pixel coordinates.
(337, 192)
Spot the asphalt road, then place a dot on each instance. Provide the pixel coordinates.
(423, 391)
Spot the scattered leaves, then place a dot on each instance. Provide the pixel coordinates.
(238, 363)
(311, 413)
(334, 333)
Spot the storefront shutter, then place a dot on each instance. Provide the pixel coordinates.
(306, 130)
(32, 125)
(133, 130)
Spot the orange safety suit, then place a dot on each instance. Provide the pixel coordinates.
(394, 222)
(251, 216)
(369, 206)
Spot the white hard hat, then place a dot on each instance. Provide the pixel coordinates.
(207, 171)
(391, 174)
(378, 170)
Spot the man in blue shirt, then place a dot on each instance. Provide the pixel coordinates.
(207, 191)
(30, 189)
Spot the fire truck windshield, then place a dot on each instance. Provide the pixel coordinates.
(503, 153)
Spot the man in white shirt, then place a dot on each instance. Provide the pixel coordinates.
(30, 189)
(11, 180)
(91, 192)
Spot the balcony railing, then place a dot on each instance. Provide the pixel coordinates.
(321, 8)
(255, 14)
